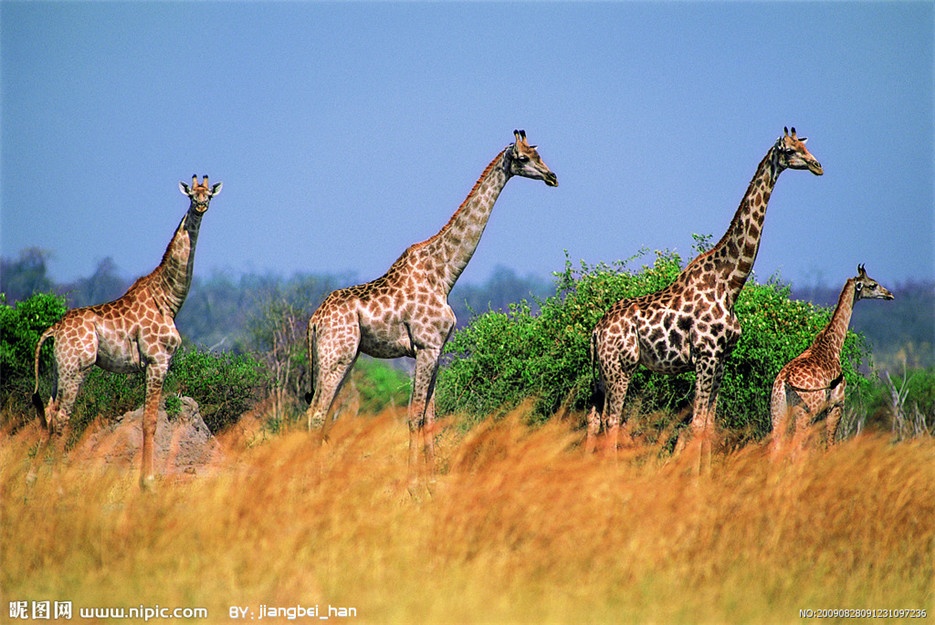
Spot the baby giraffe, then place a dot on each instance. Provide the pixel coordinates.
(811, 385)
(131, 334)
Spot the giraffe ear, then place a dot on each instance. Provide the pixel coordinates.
(184, 189)
(215, 189)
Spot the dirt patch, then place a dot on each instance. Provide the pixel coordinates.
(183, 445)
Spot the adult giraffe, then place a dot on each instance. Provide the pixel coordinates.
(690, 324)
(133, 333)
(405, 312)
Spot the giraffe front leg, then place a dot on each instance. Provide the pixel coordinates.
(155, 378)
(834, 421)
(428, 434)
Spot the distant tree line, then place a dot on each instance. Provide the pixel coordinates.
(223, 310)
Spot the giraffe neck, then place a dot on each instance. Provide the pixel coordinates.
(173, 277)
(454, 245)
(830, 341)
(735, 253)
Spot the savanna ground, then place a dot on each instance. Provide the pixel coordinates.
(521, 527)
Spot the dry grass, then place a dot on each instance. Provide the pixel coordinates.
(521, 529)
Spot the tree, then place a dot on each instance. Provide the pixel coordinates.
(26, 275)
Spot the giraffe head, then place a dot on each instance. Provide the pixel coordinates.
(200, 193)
(524, 161)
(866, 287)
(792, 153)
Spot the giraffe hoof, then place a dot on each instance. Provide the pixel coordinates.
(148, 483)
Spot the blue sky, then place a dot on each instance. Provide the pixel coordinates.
(345, 132)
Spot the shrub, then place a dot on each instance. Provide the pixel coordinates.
(380, 385)
(225, 385)
(499, 359)
(20, 328)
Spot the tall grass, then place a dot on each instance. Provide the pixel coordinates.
(520, 528)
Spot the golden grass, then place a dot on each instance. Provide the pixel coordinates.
(521, 528)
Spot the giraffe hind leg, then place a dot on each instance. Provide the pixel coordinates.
(331, 377)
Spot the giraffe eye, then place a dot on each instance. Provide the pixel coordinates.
(522, 158)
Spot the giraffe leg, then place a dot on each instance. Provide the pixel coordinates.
(835, 413)
(617, 357)
(594, 429)
(421, 414)
(322, 403)
(155, 378)
(779, 418)
(332, 351)
(708, 373)
(57, 414)
(428, 433)
(613, 411)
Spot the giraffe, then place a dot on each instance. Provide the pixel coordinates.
(811, 385)
(133, 333)
(405, 312)
(689, 325)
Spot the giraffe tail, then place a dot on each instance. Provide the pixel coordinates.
(36, 398)
(312, 355)
(597, 388)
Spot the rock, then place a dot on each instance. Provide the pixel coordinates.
(183, 445)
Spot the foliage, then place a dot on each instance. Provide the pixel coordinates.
(225, 385)
(277, 336)
(20, 328)
(501, 359)
(380, 385)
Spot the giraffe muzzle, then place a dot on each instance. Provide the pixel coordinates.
(550, 179)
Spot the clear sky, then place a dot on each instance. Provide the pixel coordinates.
(345, 132)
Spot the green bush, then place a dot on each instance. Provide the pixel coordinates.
(20, 328)
(500, 359)
(225, 385)
(380, 385)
